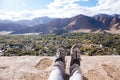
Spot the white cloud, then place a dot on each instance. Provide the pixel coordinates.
(107, 7)
(66, 8)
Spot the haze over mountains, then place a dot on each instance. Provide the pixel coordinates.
(98, 23)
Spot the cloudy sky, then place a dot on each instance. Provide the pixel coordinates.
(28, 9)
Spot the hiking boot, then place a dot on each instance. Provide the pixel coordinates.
(60, 54)
(75, 55)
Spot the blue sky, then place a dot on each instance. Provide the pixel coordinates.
(89, 3)
(20, 5)
(28, 9)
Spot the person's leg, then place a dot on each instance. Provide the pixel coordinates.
(58, 72)
(75, 72)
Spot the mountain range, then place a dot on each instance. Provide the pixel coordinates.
(80, 23)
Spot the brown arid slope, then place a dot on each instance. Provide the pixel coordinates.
(39, 68)
(80, 23)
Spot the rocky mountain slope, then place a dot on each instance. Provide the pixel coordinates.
(39, 68)
(36, 21)
(97, 23)
(84, 22)
(111, 22)
(24, 26)
(11, 26)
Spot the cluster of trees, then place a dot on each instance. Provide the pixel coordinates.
(91, 44)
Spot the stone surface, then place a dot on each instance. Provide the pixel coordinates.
(38, 68)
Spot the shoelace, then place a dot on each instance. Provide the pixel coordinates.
(76, 54)
(61, 53)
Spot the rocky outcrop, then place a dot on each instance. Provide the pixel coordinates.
(39, 68)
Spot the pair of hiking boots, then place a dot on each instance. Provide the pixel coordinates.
(75, 54)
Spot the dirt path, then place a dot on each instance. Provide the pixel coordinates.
(38, 68)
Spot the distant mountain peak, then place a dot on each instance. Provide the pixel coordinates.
(101, 15)
(98, 23)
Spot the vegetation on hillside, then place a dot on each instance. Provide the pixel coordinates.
(90, 44)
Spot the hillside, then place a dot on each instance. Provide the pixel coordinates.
(36, 21)
(25, 26)
(99, 24)
(11, 26)
(38, 68)
(81, 23)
